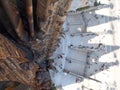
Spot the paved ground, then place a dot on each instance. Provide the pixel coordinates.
(88, 57)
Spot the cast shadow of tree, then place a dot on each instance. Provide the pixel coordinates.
(93, 65)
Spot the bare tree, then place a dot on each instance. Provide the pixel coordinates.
(30, 31)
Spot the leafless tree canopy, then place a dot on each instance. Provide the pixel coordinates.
(30, 31)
